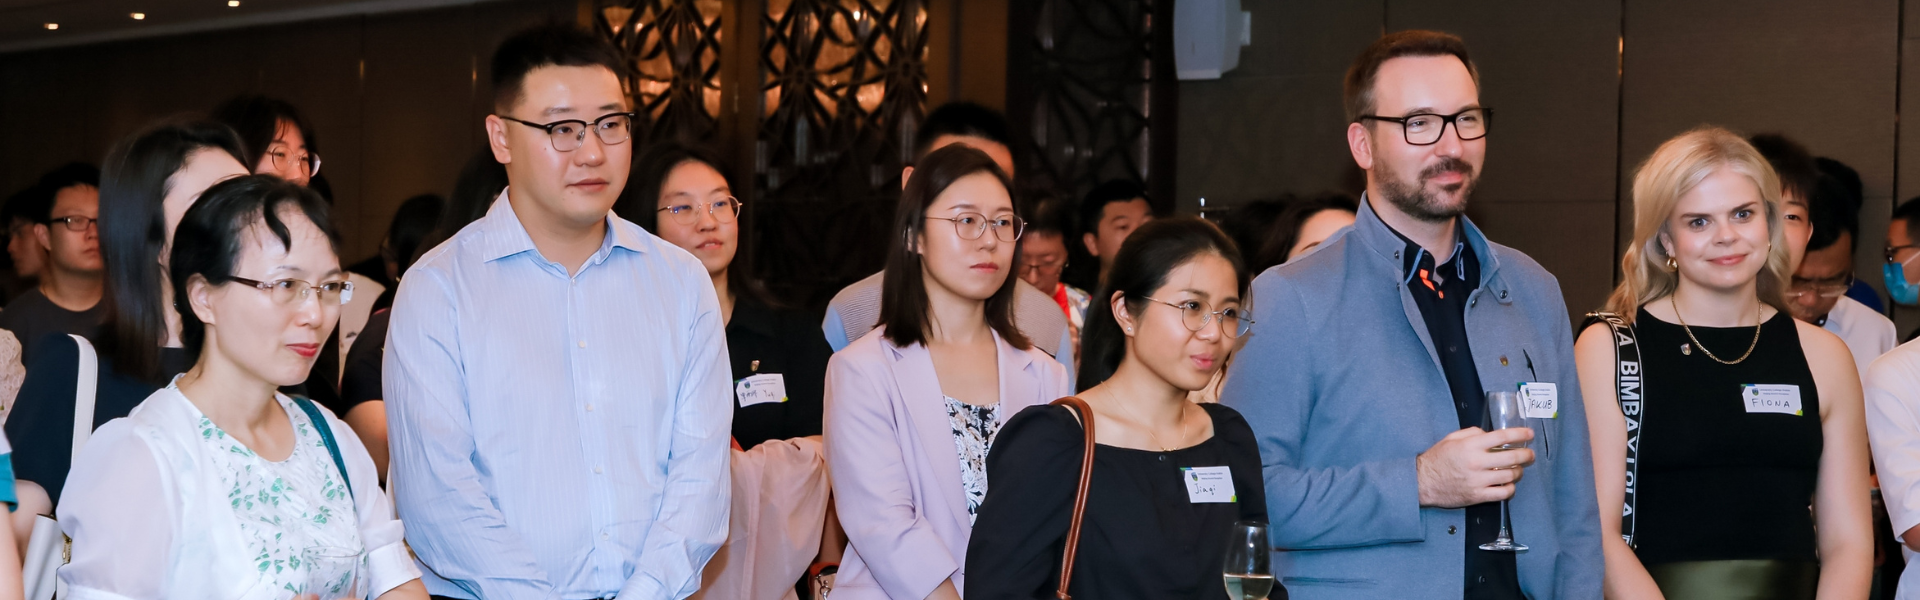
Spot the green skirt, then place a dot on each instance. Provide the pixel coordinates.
(1737, 579)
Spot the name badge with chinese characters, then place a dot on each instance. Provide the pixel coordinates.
(1542, 400)
(1771, 398)
(761, 389)
(1208, 484)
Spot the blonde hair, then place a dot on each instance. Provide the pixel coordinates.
(1673, 170)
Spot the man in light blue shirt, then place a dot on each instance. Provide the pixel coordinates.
(557, 380)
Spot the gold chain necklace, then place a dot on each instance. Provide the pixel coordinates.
(1143, 423)
(1703, 347)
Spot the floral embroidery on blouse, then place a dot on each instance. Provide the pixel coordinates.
(285, 508)
(974, 428)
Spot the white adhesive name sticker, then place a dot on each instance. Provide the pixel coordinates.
(1771, 398)
(1542, 400)
(1208, 484)
(761, 389)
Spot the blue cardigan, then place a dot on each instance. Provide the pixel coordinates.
(1343, 389)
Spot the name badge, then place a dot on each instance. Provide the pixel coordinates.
(1542, 400)
(761, 389)
(1208, 484)
(1771, 398)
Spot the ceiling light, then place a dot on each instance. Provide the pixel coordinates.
(52, 26)
(139, 16)
(233, 3)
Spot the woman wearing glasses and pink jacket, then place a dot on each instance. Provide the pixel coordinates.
(912, 407)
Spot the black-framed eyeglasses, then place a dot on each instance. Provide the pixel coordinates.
(567, 135)
(1831, 287)
(1425, 129)
(294, 291)
(724, 210)
(1195, 316)
(75, 224)
(970, 226)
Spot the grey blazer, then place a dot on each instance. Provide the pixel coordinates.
(1343, 388)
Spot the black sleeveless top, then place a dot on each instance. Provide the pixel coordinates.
(1718, 482)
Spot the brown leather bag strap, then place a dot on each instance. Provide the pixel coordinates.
(1079, 496)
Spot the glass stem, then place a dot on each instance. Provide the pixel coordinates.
(1505, 524)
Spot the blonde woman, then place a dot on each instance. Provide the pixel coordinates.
(1736, 416)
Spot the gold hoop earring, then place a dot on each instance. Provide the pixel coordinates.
(1673, 266)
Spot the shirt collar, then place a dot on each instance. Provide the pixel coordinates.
(1415, 257)
(503, 235)
(1374, 233)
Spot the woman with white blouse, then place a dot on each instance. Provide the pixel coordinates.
(217, 486)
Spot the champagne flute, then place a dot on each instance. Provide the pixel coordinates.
(1505, 410)
(1249, 568)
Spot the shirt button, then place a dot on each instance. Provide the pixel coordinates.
(1483, 579)
(1450, 530)
(583, 343)
(1476, 520)
(604, 536)
(589, 407)
(1163, 458)
(596, 470)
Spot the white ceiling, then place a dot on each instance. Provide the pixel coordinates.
(23, 22)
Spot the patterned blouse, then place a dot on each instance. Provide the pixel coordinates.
(974, 428)
(287, 508)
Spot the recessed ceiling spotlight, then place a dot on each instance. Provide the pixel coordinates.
(233, 3)
(139, 16)
(52, 26)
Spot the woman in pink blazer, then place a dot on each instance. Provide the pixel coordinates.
(912, 407)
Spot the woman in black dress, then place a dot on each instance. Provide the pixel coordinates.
(1739, 416)
(1169, 315)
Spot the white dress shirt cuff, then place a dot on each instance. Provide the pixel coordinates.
(389, 567)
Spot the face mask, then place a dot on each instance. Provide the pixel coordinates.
(1898, 287)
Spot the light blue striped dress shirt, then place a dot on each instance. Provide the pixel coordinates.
(559, 436)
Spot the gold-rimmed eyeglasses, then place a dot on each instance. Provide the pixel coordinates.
(294, 291)
(1194, 314)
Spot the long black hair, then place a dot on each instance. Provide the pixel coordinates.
(207, 243)
(133, 231)
(1139, 269)
(257, 120)
(903, 293)
(640, 203)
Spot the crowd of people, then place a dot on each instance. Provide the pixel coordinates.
(561, 381)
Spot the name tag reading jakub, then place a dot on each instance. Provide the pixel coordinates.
(1542, 400)
(1771, 398)
(1208, 484)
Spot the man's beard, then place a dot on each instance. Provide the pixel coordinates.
(1420, 204)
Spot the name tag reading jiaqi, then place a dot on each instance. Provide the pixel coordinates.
(1208, 484)
(1771, 398)
(761, 389)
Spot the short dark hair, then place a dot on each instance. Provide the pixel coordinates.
(33, 205)
(1048, 211)
(1849, 180)
(256, 119)
(964, 119)
(1140, 269)
(1358, 88)
(1791, 161)
(1831, 214)
(903, 293)
(552, 45)
(134, 183)
(207, 242)
(1114, 190)
(411, 224)
(1285, 230)
(1909, 212)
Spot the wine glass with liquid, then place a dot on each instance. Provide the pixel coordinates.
(1249, 563)
(1505, 410)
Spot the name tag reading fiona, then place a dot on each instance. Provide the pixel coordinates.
(1771, 398)
(1208, 484)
